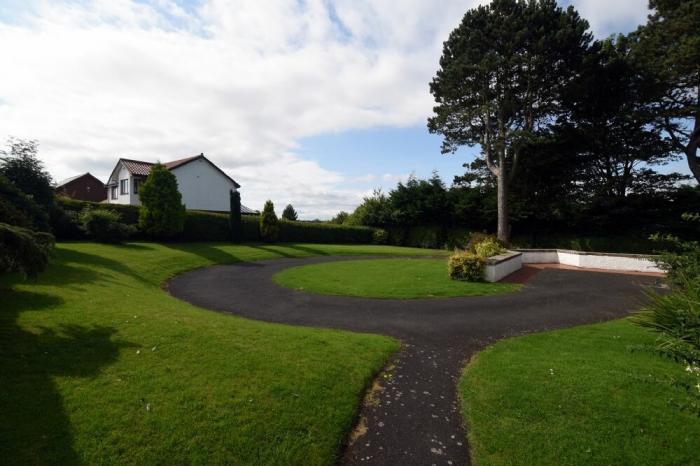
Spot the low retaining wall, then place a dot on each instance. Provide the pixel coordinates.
(591, 260)
(499, 267)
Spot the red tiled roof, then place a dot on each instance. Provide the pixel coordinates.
(137, 167)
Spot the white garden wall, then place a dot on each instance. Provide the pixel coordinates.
(499, 267)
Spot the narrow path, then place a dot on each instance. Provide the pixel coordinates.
(413, 416)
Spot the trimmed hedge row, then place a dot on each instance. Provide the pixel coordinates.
(208, 226)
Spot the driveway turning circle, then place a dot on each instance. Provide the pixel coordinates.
(416, 418)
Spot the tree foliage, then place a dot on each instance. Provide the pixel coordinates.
(17, 208)
(501, 77)
(269, 224)
(21, 165)
(24, 251)
(289, 213)
(669, 46)
(162, 214)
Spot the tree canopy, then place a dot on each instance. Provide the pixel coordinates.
(501, 77)
(669, 46)
(289, 213)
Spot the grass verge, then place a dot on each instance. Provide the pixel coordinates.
(98, 365)
(385, 278)
(580, 396)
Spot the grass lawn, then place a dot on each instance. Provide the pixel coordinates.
(404, 278)
(99, 365)
(580, 396)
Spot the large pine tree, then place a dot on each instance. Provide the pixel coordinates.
(500, 79)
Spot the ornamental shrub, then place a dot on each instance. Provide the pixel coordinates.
(162, 214)
(466, 266)
(269, 224)
(675, 317)
(104, 225)
(488, 248)
(380, 236)
(24, 251)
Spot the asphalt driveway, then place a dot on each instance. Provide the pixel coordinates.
(416, 418)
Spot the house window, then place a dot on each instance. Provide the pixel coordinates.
(124, 186)
(136, 186)
(114, 192)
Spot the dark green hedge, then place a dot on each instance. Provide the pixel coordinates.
(315, 232)
(129, 213)
(205, 226)
(208, 226)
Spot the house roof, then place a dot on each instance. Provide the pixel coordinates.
(73, 178)
(141, 168)
(248, 210)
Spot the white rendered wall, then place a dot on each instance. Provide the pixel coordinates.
(591, 260)
(502, 268)
(616, 262)
(122, 174)
(203, 187)
(544, 256)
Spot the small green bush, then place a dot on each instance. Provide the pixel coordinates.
(104, 225)
(466, 266)
(489, 247)
(24, 251)
(269, 224)
(380, 236)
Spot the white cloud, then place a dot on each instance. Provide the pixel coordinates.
(612, 16)
(240, 81)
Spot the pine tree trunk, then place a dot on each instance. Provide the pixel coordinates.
(503, 229)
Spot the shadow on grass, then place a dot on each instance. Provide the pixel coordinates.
(205, 251)
(35, 428)
(69, 268)
(306, 249)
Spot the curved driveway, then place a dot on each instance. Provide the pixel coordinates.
(415, 418)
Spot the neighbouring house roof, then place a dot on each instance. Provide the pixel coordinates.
(73, 178)
(248, 211)
(141, 168)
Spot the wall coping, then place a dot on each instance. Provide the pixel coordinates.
(506, 256)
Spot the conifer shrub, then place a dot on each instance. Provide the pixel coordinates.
(162, 214)
(269, 224)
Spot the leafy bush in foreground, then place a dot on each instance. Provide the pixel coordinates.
(466, 266)
(105, 226)
(676, 318)
(24, 251)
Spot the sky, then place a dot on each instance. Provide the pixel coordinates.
(310, 102)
